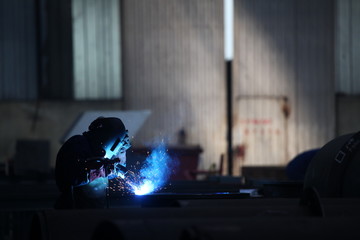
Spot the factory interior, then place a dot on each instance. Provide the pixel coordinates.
(242, 116)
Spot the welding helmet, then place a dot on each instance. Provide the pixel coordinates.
(334, 171)
(110, 134)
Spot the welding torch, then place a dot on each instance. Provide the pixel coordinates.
(110, 165)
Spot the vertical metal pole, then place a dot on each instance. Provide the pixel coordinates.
(229, 55)
(229, 115)
(107, 192)
(39, 58)
(73, 204)
(107, 196)
(39, 44)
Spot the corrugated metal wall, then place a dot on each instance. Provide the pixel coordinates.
(314, 99)
(173, 61)
(96, 48)
(348, 46)
(18, 57)
(283, 65)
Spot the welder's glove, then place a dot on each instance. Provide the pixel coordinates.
(94, 169)
(96, 173)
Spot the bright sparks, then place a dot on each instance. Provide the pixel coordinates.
(155, 172)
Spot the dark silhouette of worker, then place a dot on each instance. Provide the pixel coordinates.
(86, 162)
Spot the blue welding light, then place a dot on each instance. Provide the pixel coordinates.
(156, 171)
(145, 188)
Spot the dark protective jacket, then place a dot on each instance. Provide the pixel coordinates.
(71, 173)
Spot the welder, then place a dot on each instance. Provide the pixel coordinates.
(86, 162)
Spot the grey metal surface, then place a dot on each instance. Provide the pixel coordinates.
(133, 121)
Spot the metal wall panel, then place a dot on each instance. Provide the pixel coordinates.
(96, 48)
(173, 61)
(18, 57)
(284, 59)
(347, 47)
